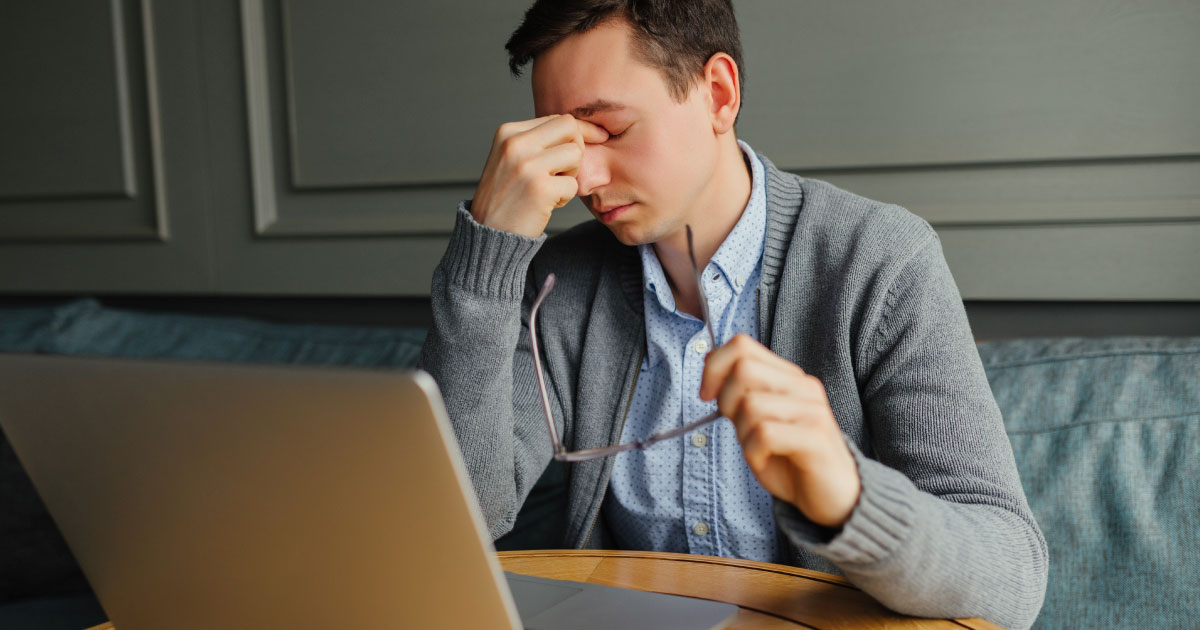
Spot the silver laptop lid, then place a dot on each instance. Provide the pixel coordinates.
(234, 496)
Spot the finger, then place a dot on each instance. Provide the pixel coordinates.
(758, 407)
(556, 130)
(563, 188)
(774, 439)
(717, 366)
(749, 373)
(562, 159)
(768, 440)
(720, 362)
(591, 132)
(509, 129)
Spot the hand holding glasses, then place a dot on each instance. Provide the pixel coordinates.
(560, 452)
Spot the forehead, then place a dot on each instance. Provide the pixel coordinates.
(593, 70)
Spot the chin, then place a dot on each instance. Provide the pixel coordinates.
(628, 234)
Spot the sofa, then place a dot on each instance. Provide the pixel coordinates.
(1106, 433)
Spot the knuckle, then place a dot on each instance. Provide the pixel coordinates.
(796, 374)
(759, 434)
(524, 170)
(817, 418)
(752, 405)
(804, 416)
(564, 190)
(540, 188)
(507, 147)
(506, 131)
(725, 404)
(740, 370)
(512, 147)
(724, 397)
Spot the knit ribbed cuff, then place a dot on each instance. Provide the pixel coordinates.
(879, 525)
(486, 261)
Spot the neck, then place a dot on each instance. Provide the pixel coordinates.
(728, 194)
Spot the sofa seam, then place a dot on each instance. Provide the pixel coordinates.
(251, 328)
(1195, 414)
(1062, 359)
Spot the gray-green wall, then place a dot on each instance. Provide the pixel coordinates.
(318, 148)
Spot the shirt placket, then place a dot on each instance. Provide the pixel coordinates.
(700, 501)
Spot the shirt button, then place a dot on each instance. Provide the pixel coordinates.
(701, 346)
(739, 281)
(699, 439)
(701, 528)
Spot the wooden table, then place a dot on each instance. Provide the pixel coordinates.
(768, 595)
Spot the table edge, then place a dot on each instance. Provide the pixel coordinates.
(973, 623)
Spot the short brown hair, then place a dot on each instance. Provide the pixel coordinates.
(675, 36)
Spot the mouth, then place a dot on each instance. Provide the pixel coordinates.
(611, 213)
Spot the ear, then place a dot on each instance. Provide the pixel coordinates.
(723, 82)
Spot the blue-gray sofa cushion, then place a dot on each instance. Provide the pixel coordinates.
(1106, 434)
(85, 327)
(26, 329)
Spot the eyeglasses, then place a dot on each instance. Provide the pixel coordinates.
(560, 452)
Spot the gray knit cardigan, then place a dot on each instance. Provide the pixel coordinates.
(854, 291)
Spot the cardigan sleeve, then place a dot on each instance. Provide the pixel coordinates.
(478, 352)
(942, 527)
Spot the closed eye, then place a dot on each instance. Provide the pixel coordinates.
(614, 135)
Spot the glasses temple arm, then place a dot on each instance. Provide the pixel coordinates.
(666, 435)
(606, 451)
(712, 337)
(537, 362)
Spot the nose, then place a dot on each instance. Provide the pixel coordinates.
(593, 170)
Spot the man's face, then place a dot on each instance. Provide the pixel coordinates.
(650, 178)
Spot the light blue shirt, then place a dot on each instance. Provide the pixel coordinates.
(695, 493)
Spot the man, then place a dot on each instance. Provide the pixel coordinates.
(862, 436)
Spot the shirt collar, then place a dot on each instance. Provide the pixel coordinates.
(740, 252)
(655, 279)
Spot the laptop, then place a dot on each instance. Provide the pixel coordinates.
(200, 496)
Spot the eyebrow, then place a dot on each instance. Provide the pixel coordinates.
(595, 107)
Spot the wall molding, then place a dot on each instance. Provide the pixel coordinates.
(283, 209)
(130, 214)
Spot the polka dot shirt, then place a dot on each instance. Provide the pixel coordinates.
(694, 493)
